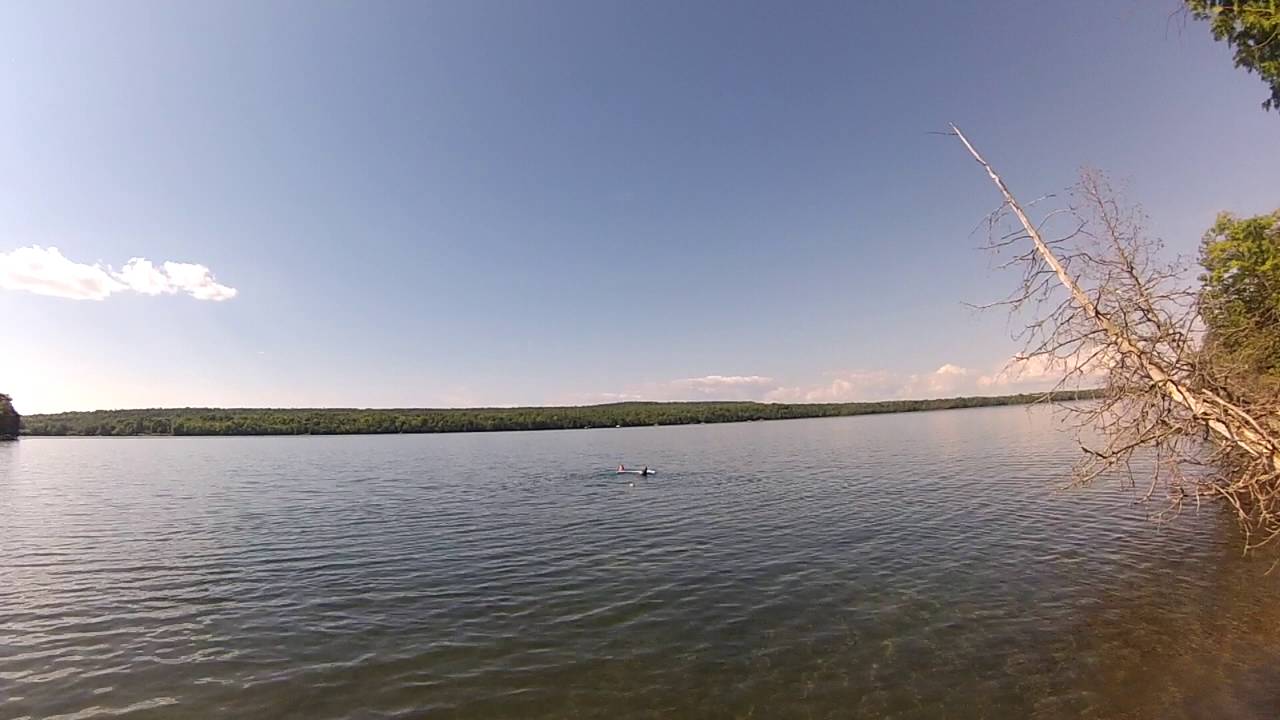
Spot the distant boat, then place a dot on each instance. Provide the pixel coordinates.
(623, 470)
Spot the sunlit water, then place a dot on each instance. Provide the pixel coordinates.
(906, 566)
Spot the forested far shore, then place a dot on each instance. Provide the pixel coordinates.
(345, 421)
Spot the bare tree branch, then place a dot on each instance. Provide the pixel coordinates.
(1100, 305)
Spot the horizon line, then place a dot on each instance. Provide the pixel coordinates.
(1048, 394)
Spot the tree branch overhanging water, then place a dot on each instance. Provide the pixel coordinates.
(1099, 301)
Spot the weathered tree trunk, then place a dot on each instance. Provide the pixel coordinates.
(1229, 423)
(1158, 372)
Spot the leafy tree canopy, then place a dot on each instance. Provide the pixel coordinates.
(1241, 258)
(1252, 28)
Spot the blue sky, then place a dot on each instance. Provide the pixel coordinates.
(429, 204)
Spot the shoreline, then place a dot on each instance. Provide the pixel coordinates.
(297, 422)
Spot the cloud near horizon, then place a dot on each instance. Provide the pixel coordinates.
(873, 385)
(719, 384)
(46, 271)
(1018, 374)
(1043, 369)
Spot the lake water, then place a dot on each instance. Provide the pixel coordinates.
(907, 566)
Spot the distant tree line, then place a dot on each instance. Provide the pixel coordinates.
(253, 421)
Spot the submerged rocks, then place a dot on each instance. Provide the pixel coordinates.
(9, 419)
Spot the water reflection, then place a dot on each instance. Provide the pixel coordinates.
(913, 566)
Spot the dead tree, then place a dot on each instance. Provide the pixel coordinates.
(1102, 306)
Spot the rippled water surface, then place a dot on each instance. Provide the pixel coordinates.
(906, 566)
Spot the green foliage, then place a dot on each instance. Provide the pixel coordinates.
(1252, 28)
(1241, 301)
(253, 421)
(9, 419)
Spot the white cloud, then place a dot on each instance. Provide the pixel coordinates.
(142, 276)
(723, 380)
(719, 384)
(1040, 372)
(197, 281)
(706, 387)
(616, 397)
(948, 380)
(950, 370)
(46, 271)
(870, 385)
(844, 387)
(1019, 374)
(712, 387)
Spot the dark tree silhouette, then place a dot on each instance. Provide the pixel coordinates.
(9, 419)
